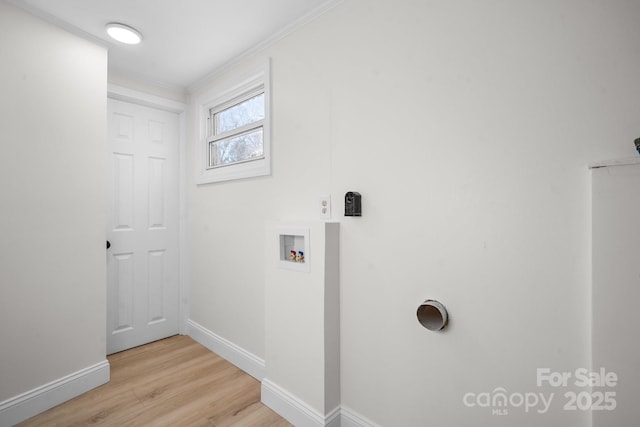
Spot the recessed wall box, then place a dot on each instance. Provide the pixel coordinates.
(352, 204)
(294, 248)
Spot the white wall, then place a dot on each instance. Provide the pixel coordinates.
(467, 127)
(163, 91)
(615, 291)
(302, 314)
(52, 246)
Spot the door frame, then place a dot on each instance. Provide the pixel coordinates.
(132, 96)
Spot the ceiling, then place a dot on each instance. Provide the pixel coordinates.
(183, 40)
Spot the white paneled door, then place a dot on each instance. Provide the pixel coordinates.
(143, 292)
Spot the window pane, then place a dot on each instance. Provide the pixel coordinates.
(241, 114)
(247, 146)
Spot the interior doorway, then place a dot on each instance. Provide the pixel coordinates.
(143, 226)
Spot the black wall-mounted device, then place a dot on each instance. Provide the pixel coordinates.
(352, 204)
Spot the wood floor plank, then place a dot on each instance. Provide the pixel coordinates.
(173, 382)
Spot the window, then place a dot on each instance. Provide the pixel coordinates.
(235, 139)
(236, 132)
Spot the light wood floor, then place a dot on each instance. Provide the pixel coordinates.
(172, 382)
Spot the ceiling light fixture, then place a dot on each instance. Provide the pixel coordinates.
(123, 33)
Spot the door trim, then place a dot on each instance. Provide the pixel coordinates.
(132, 96)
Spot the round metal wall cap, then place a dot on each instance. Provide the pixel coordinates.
(432, 315)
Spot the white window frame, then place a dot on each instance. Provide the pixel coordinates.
(256, 81)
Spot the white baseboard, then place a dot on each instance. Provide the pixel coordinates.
(333, 419)
(240, 357)
(300, 414)
(275, 397)
(33, 402)
(293, 409)
(348, 418)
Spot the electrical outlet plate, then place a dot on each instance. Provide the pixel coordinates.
(324, 207)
